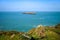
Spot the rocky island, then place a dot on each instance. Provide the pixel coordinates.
(32, 13)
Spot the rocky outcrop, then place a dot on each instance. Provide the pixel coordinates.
(38, 32)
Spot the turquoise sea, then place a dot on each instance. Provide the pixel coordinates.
(24, 22)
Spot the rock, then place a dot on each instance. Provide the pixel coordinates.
(38, 32)
(12, 35)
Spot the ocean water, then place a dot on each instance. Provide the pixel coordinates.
(24, 22)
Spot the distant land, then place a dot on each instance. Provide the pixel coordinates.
(32, 13)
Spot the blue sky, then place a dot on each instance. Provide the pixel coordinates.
(29, 5)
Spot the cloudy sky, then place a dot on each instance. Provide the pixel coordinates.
(29, 5)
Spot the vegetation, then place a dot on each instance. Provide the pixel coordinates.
(39, 33)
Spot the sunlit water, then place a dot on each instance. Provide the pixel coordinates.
(24, 22)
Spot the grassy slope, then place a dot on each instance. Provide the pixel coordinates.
(51, 33)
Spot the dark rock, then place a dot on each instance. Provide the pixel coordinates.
(32, 38)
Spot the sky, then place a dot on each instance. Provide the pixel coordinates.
(29, 5)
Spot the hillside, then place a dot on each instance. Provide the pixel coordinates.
(45, 33)
(38, 33)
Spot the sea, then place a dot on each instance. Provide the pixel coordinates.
(17, 21)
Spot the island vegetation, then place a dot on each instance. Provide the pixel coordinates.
(38, 33)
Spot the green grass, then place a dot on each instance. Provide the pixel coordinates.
(51, 33)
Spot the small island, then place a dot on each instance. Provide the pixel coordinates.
(32, 13)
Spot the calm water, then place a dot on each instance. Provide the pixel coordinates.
(24, 22)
